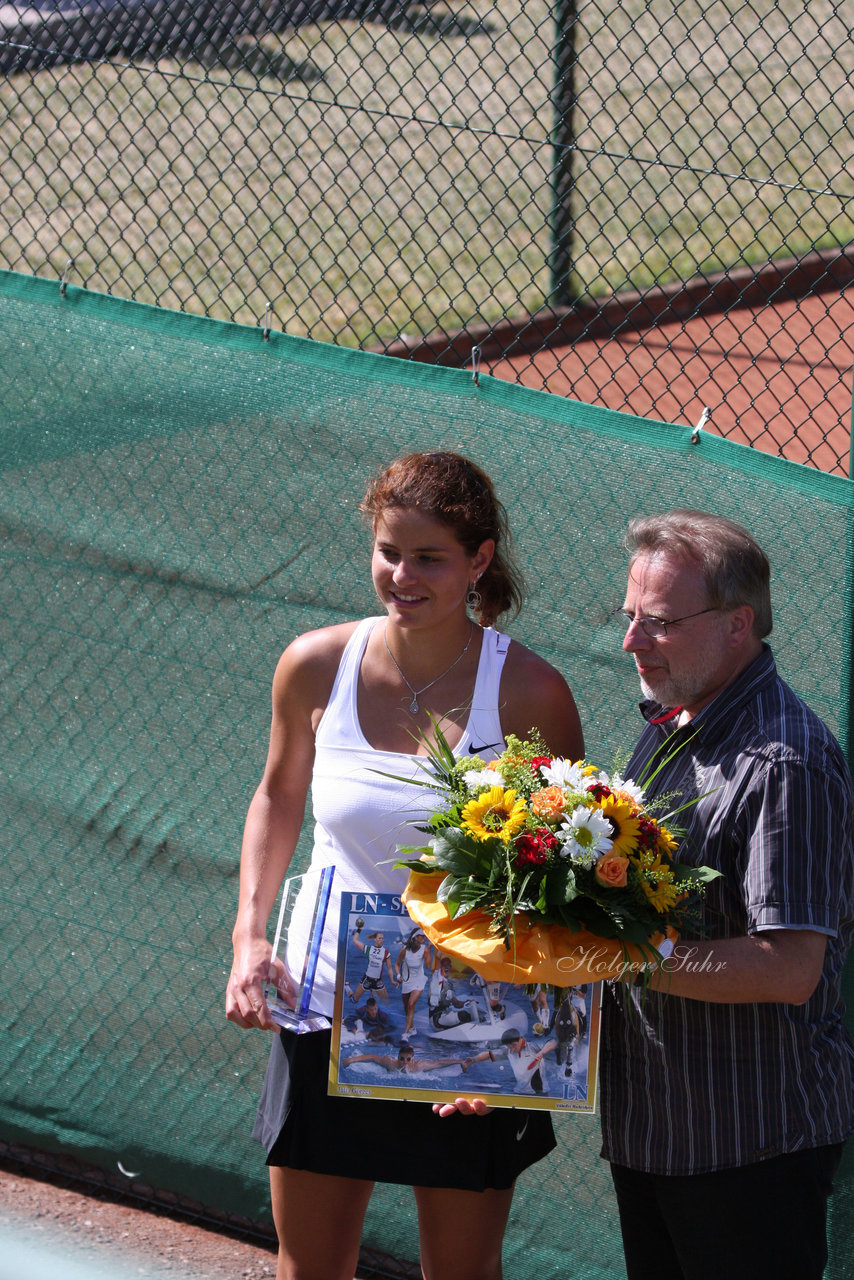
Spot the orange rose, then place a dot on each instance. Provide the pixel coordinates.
(611, 871)
(549, 803)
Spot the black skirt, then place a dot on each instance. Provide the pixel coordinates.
(382, 1140)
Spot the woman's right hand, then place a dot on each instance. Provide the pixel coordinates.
(244, 997)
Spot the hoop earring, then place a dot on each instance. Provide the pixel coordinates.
(473, 598)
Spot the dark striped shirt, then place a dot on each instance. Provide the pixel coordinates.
(689, 1086)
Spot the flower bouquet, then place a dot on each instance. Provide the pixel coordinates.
(541, 869)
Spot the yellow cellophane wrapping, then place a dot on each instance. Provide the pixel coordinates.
(540, 953)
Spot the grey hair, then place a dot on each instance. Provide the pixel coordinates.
(735, 568)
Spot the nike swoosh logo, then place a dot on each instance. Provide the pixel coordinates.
(520, 1135)
(486, 746)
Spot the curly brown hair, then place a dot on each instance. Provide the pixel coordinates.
(456, 492)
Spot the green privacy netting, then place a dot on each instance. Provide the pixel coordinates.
(179, 499)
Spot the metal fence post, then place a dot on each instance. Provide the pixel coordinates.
(563, 291)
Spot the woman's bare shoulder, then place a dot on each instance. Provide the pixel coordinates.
(320, 646)
(523, 663)
(308, 665)
(534, 694)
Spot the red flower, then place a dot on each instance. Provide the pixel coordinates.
(648, 835)
(547, 838)
(539, 761)
(599, 790)
(530, 851)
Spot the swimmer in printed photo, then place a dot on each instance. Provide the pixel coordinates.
(405, 1061)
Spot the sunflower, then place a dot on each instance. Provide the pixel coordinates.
(622, 814)
(666, 842)
(657, 882)
(494, 813)
(662, 895)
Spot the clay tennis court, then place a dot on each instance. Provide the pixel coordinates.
(768, 351)
(778, 377)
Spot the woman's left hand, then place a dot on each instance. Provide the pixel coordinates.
(465, 1107)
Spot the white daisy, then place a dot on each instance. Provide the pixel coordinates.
(565, 774)
(625, 785)
(480, 779)
(585, 836)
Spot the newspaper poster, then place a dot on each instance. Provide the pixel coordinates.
(412, 1023)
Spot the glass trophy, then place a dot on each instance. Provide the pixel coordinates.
(299, 930)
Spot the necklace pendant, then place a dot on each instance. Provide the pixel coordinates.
(413, 706)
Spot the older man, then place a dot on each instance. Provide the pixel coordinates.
(727, 1079)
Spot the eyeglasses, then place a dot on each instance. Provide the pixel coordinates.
(656, 628)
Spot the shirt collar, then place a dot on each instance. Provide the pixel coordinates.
(762, 671)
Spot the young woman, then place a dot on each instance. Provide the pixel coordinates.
(376, 957)
(414, 960)
(354, 704)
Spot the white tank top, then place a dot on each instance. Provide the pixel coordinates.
(361, 817)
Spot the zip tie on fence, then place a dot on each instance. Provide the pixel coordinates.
(704, 418)
(475, 365)
(63, 284)
(267, 312)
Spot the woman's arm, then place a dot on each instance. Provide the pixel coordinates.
(301, 688)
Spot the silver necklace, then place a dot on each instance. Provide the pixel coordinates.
(416, 693)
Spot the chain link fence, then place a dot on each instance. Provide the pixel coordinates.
(416, 178)
(179, 498)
